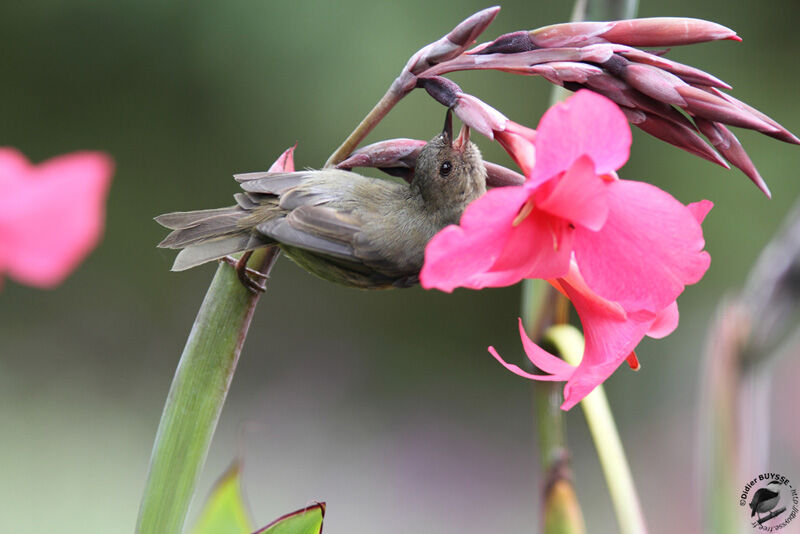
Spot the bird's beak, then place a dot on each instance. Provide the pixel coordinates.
(447, 131)
(461, 142)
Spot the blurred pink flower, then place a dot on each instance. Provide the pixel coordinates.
(51, 214)
(621, 250)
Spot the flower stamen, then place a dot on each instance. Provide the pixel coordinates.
(633, 361)
(526, 210)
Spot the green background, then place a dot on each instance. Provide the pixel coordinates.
(384, 404)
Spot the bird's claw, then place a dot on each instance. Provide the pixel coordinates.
(247, 276)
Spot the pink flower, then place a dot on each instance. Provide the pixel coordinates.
(51, 214)
(621, 250)
(518, 141)
(285, 162)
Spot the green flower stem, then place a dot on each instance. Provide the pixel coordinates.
(569, 343)
(539, 305)
(543, 306)
(196, 397)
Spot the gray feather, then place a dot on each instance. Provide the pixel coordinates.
(185, 219)
(246, 176)
(195, 255)
(300, 196)
(325, 222)
(244, 201)
(225, 222)
(280, 230)
(274, 184)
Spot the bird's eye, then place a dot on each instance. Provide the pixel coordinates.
(445, 169)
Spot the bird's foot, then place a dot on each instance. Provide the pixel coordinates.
(254, 281)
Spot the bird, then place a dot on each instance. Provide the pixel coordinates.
(764, 500)
(361, 232)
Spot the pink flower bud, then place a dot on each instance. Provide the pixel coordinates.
(658, 31)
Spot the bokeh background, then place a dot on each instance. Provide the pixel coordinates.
(384, 404)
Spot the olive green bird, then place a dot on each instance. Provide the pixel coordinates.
(343, 227)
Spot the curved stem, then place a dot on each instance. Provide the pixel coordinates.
(395, 93)
(196, 396)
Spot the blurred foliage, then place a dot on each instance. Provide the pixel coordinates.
(388, 398)
(305, 521)
(225, 512)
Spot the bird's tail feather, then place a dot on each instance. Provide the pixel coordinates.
(207, 235)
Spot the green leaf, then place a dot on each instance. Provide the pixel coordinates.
(225, 511)
(305, 521)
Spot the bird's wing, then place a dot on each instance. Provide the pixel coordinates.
(331, 232)
(278, 183)
(318, 229)
(292, 189)
(317, 217)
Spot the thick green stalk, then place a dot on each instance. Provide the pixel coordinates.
(569, 344)
(540, 301)
(542, 307)
(196, 397)
(539, 305)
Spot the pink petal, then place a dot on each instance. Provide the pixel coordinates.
(650, 247)
(611, 334)
(529, 134)
(285, 162)
(700, 209)
(524, 374)
(519, 148)
(461, 256)
(666, 322)
(585, 124)
(52, 216)
(538, 247)
(543, 359)
(609, 339)
(580, 196)
(13, 166)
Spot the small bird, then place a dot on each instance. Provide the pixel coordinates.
(361, 232)
(764, 500)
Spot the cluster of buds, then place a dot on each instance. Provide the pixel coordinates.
(674, 102)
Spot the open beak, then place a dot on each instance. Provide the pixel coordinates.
(461, 142)
(447, 131)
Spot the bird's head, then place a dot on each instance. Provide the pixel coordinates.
(450, 171)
